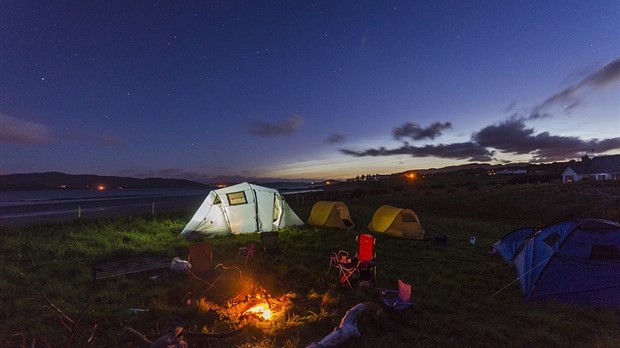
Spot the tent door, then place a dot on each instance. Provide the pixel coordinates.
(265, 208)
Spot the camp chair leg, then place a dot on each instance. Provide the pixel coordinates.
(336, 259)
(344, 278)
(247, 251)
(346, 272)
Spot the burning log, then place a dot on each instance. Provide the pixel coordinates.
(345, 331)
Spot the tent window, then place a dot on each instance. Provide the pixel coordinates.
(408, 218)
(236, 198)
(552, 238)
(605, 252)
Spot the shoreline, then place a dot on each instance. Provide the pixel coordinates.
(52, 212)
(73, 208)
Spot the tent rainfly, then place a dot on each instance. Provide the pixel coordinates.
(330, 214)
(574, 261)
(396, 222)
(241, 208)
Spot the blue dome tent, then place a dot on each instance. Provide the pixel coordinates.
(574, 261)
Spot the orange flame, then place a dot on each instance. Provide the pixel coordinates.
(262, 310)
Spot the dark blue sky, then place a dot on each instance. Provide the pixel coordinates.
(300, 89)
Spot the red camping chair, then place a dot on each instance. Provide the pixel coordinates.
(363, 263)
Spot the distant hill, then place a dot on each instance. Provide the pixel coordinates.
(530, 167)
(55, 180)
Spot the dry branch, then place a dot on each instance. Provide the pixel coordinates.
(73, 328)
(171, 337)
(345, 331)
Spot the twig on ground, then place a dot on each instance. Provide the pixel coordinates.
(73, 328)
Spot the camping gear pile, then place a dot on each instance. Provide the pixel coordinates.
(572, 261)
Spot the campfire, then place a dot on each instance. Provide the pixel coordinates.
(258, 307)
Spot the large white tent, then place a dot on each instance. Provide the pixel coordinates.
(241, 208)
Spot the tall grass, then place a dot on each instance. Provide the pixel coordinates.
(463, 296)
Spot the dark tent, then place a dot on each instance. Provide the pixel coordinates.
(576, 261)
(509, 245)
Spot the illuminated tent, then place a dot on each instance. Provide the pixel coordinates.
(575, 261)
(396, 222)
(330, 214)
(241, 208)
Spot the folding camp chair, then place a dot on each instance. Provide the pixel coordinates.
(402, 297)
(270, 243)
(335, 259)
(364, 262)
(201, 258)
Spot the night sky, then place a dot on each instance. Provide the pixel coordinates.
(257, 90)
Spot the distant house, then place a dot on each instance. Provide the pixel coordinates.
(596, 168)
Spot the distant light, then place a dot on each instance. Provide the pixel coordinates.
(101, 188)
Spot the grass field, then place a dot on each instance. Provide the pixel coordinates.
(456, 298)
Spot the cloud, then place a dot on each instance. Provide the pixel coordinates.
(287, 126)
(107, 140)
(415, 132)
(16, 131)
(467, 150)
(572, 96)
(335, 138)
(512, 136)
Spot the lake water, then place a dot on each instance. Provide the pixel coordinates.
(25, 207)
(33, 207)
(22, 198)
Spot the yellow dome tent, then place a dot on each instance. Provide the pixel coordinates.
(396, 222)
(330, 214)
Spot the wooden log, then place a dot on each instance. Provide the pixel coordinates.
(345, 331)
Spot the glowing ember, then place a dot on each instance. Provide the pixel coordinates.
(261, 310)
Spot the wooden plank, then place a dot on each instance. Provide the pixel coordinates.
(130, 266)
